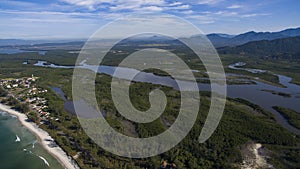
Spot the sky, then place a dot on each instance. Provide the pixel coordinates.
(79, 19)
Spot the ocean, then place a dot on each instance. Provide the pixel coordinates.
(19, 148)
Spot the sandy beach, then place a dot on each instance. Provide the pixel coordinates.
(44, 139)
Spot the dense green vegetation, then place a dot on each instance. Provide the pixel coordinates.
(15, 104)
(59, 57)
(3, 92)
(62, 57)
(242, 122)
(277, 93)
(220, 151)
(292, 116)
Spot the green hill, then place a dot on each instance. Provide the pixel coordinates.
(285, 48)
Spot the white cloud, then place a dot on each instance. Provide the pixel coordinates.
(117, 4)
(187, 12)
(18, 3)
(122, 7)
(254, 15)
(206, 12)
(234, 7)
(46, 24)
(202, 19)
(175, 3)
(151, 8)
(59, 15)
(90, 4)
(42, 13)
(51, 16)
(48, 20)
(181, 7)
(209, 2)
(207, 22)
(225, 13)
(131, 5)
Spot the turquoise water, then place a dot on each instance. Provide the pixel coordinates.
(25, 154)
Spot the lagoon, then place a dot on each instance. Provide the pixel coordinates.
(252, 92)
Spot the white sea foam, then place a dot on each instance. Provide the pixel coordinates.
(13, 116)
(17, 139)
(34, 143)
(2, 113)
(45, 161)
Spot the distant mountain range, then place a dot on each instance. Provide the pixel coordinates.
(18, 42)
(8, 42)
(283, 44)
(221, 40)
(217, 39)
(284, 48)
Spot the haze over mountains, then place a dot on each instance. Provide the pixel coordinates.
(19, 42)
(221, 40)
(217, 39)
(283, 44)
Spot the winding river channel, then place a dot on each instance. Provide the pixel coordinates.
(255, 93)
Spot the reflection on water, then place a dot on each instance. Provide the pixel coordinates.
(238, 66)
(59, 91)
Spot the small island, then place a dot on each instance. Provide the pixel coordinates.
(277, 93)
(292, 116)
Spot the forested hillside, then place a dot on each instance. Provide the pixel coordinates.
(286, 48)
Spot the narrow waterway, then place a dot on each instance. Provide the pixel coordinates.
(252, 92)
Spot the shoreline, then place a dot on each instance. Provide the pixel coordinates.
(43, 138)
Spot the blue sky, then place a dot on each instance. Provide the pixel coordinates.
(64, 19)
